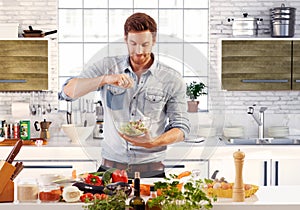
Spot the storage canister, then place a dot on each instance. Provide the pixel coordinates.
(27, 190)
(282, 20)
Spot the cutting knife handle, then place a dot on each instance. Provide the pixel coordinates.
(14, 151)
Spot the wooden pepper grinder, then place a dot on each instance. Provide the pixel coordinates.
(238, 193)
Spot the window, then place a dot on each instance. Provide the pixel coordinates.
(96, 26)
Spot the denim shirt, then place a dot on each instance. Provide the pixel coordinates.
(159, 94)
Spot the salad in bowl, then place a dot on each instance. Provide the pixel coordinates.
(133, 126)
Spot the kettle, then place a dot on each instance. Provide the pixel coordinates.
(44, 128)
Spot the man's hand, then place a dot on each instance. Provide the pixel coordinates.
(169, 137)
(121, 80)
(141, 141)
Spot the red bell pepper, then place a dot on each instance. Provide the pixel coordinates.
(119, 176)
(93, 180)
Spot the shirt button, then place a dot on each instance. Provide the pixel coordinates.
(134, 97)
(132, 114)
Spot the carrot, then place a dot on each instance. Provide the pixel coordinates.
(184, 174)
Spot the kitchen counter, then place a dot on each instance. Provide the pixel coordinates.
(266, 198)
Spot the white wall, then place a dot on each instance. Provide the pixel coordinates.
(225, 107)
(283, 106)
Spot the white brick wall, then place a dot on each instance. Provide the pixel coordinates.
(42, 15)
(237, 102)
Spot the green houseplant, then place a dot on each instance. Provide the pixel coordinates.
(193, 91)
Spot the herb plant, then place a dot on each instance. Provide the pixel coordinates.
(190, 198)
(116, 201)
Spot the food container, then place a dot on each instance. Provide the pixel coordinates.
(27, 190)
(245, 26)
(282, 21)
(50, 193)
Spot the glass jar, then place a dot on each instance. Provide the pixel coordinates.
(27, 190)
(50, 193)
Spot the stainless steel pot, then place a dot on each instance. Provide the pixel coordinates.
(245, 26)
(282, 21)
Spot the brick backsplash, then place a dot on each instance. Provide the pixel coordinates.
(238, 101)
(42, 14)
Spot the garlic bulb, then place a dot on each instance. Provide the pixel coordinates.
(71, 194)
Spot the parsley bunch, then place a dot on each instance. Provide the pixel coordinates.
(172, 198)
(116, 201)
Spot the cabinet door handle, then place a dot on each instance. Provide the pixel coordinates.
(174, 166)
(13, 81)
(276, 173)
(265, 80)
(265, 173)
(297, 80)
(53, 166)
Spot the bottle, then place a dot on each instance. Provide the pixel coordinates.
(153, 194)
(137, 202)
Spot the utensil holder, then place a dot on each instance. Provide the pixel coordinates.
(6, 184)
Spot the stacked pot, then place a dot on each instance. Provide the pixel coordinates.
(245, 26)
(282, 21)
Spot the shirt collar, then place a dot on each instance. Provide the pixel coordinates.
(126, 65)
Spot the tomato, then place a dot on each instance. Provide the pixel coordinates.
(87, 197)
(119, 176)
(100, 196)
(93, 180)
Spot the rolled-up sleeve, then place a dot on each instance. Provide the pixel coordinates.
(177, 109)
(62, 95)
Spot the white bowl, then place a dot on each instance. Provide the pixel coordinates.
(77, 133)
(206, 132)
(235, 131)
(48, 178)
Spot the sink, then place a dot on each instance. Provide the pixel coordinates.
(264, 141)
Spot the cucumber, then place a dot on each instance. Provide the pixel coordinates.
(106, 177)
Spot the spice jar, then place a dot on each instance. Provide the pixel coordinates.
(27, 190)
(50, 193)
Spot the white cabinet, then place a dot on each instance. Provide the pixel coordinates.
(254, 171)
(264, 166)
(58, 160)
(61, 167)
(178, 166)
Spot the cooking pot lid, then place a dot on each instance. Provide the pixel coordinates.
(246, 18)
(283, 7)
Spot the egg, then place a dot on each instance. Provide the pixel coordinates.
(71, 194)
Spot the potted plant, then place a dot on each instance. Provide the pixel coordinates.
(193, 91)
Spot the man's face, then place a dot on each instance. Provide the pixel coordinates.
(139, 46)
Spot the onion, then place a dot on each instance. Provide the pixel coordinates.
(71, 194)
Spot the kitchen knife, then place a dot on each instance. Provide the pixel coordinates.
(14, 152)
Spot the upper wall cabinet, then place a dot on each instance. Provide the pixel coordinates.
(260, 64)
(296, 65)
(24, 65)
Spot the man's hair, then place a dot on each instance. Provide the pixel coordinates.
(140, 22)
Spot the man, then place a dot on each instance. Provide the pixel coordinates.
(130, 85)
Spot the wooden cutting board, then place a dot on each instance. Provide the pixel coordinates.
(31, 142)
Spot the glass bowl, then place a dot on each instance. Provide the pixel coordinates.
(133, 126)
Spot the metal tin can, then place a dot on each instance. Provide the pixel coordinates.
(25, 129)
(16, 130)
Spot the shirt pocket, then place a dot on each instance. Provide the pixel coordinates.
(115, 97)
(155, 100)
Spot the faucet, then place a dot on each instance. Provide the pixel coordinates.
(259, 120)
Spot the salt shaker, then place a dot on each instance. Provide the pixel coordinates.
(238, 194)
